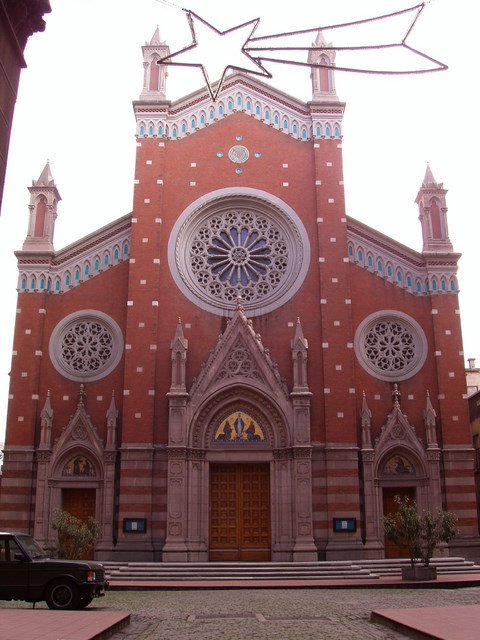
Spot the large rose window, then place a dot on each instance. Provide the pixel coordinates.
(238, 247)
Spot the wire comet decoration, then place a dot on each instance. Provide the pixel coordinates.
(258, 50)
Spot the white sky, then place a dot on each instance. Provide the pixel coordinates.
(74, 107)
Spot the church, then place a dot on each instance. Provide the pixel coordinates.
(237, 369)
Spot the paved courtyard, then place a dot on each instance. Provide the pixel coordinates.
(299, 614)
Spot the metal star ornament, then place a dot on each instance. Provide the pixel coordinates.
(229, 48)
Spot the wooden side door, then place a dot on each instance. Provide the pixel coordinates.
(240, 512)
(389, 506)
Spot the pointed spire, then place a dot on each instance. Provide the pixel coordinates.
(179, 347)
(366, 421)
(46, 417)
(44, 199)
(431, 200)
(321, 57)
(112, 416)
(155, 74)
(430, 419)
(299, 346)
(45, 179)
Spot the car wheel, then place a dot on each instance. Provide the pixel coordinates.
(62, 594)
(84, 602)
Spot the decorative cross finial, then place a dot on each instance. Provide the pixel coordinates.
(396, 396)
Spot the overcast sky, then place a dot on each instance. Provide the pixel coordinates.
(74, 108)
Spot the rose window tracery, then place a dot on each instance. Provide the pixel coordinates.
(255, 252)
(86, 345)
(390, 345)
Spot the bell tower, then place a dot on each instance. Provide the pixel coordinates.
(155, 75)
(44, 198)
(323, 81)
(433, 215)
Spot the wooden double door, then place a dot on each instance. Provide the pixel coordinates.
(393, 550)
(81, 504)
(240, 521)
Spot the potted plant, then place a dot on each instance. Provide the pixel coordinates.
(420, 534)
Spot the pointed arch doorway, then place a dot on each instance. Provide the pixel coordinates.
(239, 512)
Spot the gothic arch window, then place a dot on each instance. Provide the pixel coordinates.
(193, 123)
(276, 119)
(116, 254)
(142, 129)
(434, 284)
(57, 284)
(49, 284)
(212, 114)
(238, 243)
(86, 269)
(67, 279)
(350, 250)
(389, 270)
(23, 282)
(295, 128)
(318, 131)
(33, 283)
(150, 129)
(248, 105)
(106, 259)
(230, 104)
(444, 284)
(379, 265)
(239, 101)
(184, 127)
(409, 280)
(86, 346)
(160, 130)
(390, 345)
(125, 249)
(96, 264)
(328, 131)
(77, 274)
(399, 276)
(202, 117)
(258, 109)
(304, 133)
(360, 256)
(336, 131)
(42, 283)
(418, 286)
(427, 285)
(267, 115)
(220, 108)
(370, 261)
(453, 284)
(174, 131)
(285, 124)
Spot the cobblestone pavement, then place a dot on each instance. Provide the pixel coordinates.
(283, 614)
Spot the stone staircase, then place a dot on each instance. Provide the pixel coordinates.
(340, 570)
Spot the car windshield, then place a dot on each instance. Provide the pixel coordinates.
(32, 547)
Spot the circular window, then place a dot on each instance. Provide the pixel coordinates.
(229, 245)
(86, 346)
(390, 345)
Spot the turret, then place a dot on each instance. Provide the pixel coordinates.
(155, 75)
(44, 198)
(433, 215)
(323, 82)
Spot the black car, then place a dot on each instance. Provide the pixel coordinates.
(27, 573)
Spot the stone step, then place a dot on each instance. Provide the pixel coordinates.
(151, 571)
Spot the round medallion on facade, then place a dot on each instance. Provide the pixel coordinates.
(86, 346)
(232, 244)
(390, 345)
(238, 154)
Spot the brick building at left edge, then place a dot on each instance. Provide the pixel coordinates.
(18, 20)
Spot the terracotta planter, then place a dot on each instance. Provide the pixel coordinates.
(419, 573)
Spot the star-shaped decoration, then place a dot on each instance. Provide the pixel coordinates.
(217, 51)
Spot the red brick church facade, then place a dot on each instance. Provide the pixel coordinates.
(237, 369)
